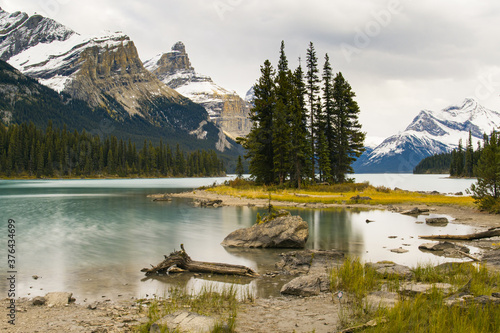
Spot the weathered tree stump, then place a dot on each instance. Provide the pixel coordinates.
(180, 261)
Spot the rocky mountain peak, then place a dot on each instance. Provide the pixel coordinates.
(179, 46)
(225, 107)
(174, 62)
(19, 31)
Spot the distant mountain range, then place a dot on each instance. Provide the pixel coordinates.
(106, 73)
(430, 132)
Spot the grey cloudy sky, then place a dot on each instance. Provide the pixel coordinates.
(400, 56)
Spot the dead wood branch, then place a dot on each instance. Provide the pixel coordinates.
(468, 255)
(493, 232)
(180, 260)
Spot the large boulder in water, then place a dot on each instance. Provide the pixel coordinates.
(284, 231)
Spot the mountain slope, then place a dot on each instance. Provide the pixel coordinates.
(226, 108)
(18, 31)
(23, 99)
(106, 73)
(430, 132)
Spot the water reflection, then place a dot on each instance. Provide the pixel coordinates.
(93, 240)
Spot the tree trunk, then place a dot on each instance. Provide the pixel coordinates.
(180, 260)
(484, 234)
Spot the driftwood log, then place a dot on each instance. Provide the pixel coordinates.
(180, 261)
(492, 232)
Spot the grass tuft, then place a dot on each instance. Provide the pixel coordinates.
(221, 303)
(425, 312)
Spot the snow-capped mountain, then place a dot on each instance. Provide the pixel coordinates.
(104, 71)
(225, 107)
(430, 132)
(83, 66)
(19, 31)
(250, 96)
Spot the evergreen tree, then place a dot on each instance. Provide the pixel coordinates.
(328, 102)
(239, 168)
(281, 126)
(460, 156)
(180, 162)
(348, 144)
(312, 88)
(469, 157)
(111, 162)
(324, 164)
(487, 190)
(300, 149)
(288, 137)
(259, 142)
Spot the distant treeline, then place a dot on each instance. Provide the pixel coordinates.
(28, 151)
(439, 163)
(460, 162)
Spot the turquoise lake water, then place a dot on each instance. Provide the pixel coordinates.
(92, 237)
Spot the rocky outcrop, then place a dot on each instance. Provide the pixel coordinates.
(446, 247)
(58, 298)
(413, 289)
(282, 232)
(208, 203)
(312, 266)
(437, 221)
(307, 285)
(415, 211)
(170, 63)
(381, 299)
(390, 269)
(112, 68)
(225, 107)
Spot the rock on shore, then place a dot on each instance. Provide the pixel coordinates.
(284, 231)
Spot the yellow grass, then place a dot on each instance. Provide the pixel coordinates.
(378, 195)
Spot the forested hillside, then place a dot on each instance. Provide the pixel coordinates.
(26, 151)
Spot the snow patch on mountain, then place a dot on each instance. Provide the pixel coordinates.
(53, 63)
(19, 31)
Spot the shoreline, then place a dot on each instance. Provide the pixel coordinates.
(460, 214)
(279, 314)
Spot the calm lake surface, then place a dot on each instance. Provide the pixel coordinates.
(92, 237)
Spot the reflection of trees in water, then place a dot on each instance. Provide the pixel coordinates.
(333, 229)
(197, 283)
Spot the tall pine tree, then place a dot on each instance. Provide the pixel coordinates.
(312, 88)
(281, 118)
(300, 157)
(487, 190)
(259, 142)
(348, 144)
